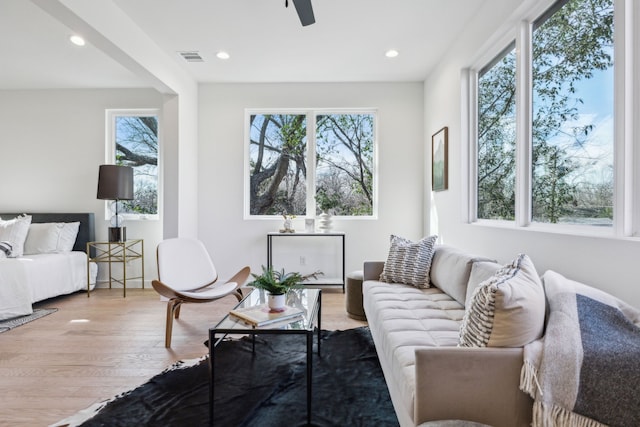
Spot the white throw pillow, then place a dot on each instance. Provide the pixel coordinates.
(15, 232)
(51, 237)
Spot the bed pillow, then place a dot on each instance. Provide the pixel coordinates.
(42, 238)
(506, 310)
(51, 237)
(409, 262)
(15, 232)
(68, 236)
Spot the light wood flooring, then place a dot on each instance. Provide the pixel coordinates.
(94, 348)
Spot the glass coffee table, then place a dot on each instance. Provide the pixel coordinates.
(308, 300)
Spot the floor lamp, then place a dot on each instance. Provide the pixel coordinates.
(115, 183)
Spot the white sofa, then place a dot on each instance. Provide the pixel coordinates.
(416, 332)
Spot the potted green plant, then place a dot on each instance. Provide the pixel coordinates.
(277, 284)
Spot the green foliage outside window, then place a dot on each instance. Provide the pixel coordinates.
(136, 145)
(278, 164)
(572, 152)
(571, 47)
(497, 139)
(344, 163)
(279, 181)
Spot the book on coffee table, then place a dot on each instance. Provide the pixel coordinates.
(261, 315)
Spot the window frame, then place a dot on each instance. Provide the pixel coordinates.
(626, 198)
(110, 155)
(310, 114)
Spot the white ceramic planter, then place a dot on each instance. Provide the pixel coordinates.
(276, 303)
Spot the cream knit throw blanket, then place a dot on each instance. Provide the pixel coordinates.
(585, 371)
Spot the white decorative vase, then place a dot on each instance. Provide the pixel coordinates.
(276, 302)
(324, 222)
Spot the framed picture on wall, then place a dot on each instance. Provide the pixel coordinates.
(440, 160)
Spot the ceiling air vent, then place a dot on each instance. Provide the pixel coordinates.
(191, 56)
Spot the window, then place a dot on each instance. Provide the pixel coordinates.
(572, 78)
(278, 164)
(301, 163)
(133, 141)
(561, 122)
(497, 137)
(344, 169)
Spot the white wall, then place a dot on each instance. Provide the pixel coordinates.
(51, 144)
(607, 263)
(234, 242)
(104, 25)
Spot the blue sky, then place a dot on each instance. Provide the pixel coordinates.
(596, 154)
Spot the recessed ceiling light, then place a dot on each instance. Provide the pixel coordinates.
(223, 55)
(391, 53)
(77, 40)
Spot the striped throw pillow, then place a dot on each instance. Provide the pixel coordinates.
(15, 231)
(5, 249)
(409, 262)
(506, 310)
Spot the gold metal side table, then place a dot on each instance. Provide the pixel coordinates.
(116, 252)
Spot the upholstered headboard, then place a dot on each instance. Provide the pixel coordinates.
(86, 232)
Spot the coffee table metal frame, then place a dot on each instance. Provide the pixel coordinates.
(308, 299)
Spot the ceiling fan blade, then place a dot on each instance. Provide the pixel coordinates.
(305, 12)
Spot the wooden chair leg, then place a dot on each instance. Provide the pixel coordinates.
(169, 327)
(173, 309)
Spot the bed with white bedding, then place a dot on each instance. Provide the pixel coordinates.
(50, 262)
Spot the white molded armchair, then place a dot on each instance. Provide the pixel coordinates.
(187, 274)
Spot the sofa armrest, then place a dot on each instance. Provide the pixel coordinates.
(372, 270)
(474, 384)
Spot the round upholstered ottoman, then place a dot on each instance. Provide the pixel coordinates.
(355, 309)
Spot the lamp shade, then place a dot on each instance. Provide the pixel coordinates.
(115, 182)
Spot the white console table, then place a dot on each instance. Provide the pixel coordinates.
(296, 259)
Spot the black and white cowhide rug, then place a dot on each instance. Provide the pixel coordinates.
(264, 389)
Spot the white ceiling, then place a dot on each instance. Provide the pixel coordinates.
(35, 53)
(265, 40)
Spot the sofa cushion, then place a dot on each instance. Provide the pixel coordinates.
(450, 270)
(409, 262)
(403, 318)
(507, 310)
